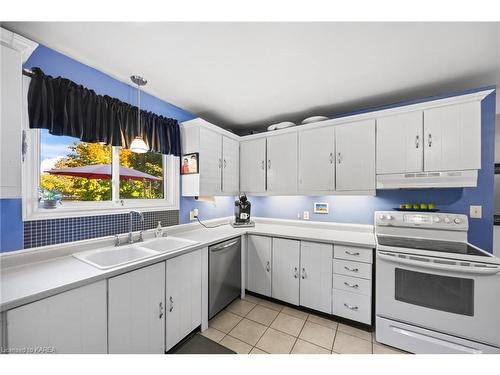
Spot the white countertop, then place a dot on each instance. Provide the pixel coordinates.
(30, 275)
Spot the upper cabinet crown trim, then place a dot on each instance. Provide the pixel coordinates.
(204, 123)
(17, 43)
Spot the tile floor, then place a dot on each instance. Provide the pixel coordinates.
(258, 326)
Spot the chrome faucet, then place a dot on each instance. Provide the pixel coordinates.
(131, 216)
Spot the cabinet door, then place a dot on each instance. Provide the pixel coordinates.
(183, 287)
(316, 160)
(136, 307)
(259, 264)
(282, 163)
(355, 147)
(285, 275)
(316, 276)
(253, 166)
(210, 162)
(399, 143)
(231, 166)
(452, 137)
(70, 322)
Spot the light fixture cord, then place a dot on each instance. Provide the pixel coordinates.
(139, 107)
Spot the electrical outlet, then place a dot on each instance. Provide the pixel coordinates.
(476, 212)
(193, 214)
(305, 216)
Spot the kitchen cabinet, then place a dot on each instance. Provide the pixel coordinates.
(282, 163)
(69, 322)
(452, 137)
(259, 264)
(210, 162)
(316, 160)
(285, 270)
(253, 166)
(355, 148)
(400, 145)
(230, 166)
(316, 276)
(183, 293)
(136, 311)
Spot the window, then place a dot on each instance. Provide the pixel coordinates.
(93, 178)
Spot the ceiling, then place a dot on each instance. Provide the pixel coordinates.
(248, 75)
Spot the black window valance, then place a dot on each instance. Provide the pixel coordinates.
(66, 108)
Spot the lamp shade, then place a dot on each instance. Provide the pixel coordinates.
(138, 146)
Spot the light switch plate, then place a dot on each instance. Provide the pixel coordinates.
(305, 216)
(476, 212)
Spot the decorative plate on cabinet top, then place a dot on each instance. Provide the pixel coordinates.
(280, 125)
(312, 119)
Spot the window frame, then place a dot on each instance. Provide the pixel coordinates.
(31, 180)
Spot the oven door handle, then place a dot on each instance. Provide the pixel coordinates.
(490, 270)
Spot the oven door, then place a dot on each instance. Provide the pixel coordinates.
(439, 294)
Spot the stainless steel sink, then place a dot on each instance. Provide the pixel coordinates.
(167, 244)
(114, 256)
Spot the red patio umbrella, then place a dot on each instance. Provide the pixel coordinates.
(103, 172)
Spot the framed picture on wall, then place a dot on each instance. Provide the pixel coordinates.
(320, 208)
(190, 163)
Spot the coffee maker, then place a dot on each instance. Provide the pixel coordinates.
(242, 213)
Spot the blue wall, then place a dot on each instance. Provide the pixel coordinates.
(57, 64)
(359, 209)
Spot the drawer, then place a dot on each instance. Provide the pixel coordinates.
(352, 306)
(358, 254)
(352, 284)
(355, 269)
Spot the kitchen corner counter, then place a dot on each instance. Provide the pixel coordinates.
(26, 276)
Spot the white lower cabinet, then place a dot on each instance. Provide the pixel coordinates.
(316, 276)
(183, 293)
(285, 270)
(259, 253)
(70, 322)
(136, 311)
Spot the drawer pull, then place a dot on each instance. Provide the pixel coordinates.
(351, 307)
(356, 254)
(351, 285)
(351, 269)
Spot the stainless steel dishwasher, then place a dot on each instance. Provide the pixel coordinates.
(224, 260)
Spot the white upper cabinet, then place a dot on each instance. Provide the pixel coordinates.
(316, 160)
(253, 166)
(210, 162)
(282, 163)
(400, 143)
(230, 166)
(285, 270)
(259, 253)
(355, 154)
(136, 311)
(452, 137)
(70, 322)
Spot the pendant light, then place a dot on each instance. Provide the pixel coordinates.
(138, 145)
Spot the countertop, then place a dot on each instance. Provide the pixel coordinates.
(26, 281)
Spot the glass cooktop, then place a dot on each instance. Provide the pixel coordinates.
(430, 245)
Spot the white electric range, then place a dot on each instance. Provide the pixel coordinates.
(435, 293)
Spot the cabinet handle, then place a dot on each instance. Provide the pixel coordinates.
(268, 266)
(351, 285)
(339, 157)
(303, 273)
(351, 253)
(429, 140)
(295, 273)
(225, 163)
(161, 310)
(417, 141)
(351, 269)
(269, 164)
(331, 157)
(350, 307)
(220, 163)
(171, 304)
(263, 164)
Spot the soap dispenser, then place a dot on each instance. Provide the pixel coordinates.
(159, 230)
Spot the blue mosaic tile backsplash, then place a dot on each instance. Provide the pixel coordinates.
(53, 231)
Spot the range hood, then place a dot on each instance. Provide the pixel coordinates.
(419, 180)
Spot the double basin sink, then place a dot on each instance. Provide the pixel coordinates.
(110, 257)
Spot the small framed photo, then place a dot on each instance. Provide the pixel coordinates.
(190, 163)
(320, 208)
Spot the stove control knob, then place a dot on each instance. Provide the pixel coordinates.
(437, 219)
(381, 217)
(447, 220)
(388, 217)
(457, 220)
